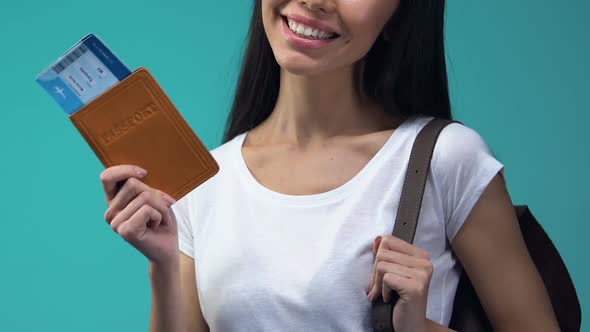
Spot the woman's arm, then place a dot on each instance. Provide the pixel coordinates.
(166, 312)
(192, 314)
(493, 253)
(175, 301)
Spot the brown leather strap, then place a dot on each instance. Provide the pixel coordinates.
(408, 210)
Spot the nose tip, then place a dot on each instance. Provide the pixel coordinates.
(318, 5)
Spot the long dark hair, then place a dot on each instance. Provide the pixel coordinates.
(404, 71)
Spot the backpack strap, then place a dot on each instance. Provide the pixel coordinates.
(408, 210)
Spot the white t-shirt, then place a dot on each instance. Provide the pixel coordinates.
(268, 261)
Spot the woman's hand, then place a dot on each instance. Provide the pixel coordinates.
(406, 269)
(140, 214)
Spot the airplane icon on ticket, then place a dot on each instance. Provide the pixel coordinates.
(60, 91)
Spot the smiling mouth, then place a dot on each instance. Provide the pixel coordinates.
(308, 32)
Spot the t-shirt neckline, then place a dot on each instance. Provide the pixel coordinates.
(339, 192)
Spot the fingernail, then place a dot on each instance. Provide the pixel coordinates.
(140, 171)
(107, 214)
(169, 199)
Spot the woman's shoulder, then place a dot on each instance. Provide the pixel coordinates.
(462, 160)
(457, 144)
(462, 166)
(460, 156)
(457, 141)
(455, 132)
(224, 152)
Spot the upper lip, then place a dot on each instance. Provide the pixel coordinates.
(312, 23)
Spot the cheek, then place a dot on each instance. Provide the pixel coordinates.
(366, 19)
(270, 18)
(272, 3)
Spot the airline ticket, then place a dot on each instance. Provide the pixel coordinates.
(84, 72)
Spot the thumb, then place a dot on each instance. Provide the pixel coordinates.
(376, 244)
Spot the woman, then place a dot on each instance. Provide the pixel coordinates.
(292, 233)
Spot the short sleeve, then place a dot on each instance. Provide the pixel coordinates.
(185, 230)
(463, 166)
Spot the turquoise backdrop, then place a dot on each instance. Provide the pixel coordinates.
(519, 75)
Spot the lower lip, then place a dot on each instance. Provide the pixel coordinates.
(297, 40)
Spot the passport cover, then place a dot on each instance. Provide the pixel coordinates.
(134, 122)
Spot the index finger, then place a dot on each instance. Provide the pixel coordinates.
(395, 244)
(111, 176)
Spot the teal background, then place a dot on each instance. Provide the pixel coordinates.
(518, 75)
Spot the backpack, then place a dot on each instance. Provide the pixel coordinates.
(468, 314)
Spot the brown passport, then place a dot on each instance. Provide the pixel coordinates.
(134, 122)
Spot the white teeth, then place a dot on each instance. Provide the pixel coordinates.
(307, 31)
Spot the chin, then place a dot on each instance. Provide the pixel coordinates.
(300, 70)
(301, 65)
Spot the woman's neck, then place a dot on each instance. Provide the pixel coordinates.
(312, 108)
